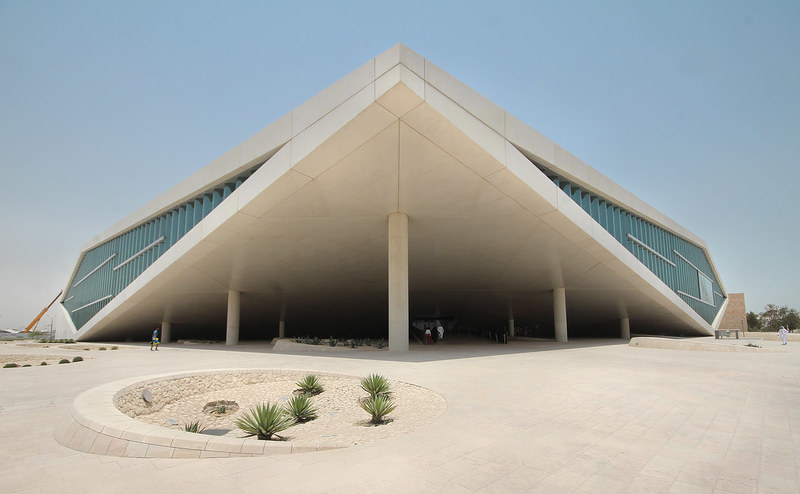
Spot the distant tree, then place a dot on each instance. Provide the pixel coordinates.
(792, 319)
(774, 317)
(753, 323)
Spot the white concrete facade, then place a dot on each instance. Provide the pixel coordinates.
(401, 138)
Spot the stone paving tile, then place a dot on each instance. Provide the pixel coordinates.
(592, 418)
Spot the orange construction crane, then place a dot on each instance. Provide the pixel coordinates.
(35, 321)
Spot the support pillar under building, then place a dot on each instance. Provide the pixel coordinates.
(625, 328)
(560, 314)
(398, 282)
(166, 332)
(510, 321)
(232, 326)
(282, 323)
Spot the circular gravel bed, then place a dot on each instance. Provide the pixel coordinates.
(179, 401)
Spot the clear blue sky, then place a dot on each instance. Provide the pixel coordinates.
(694, 106)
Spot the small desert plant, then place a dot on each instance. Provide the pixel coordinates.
(78, 359)
(300, 408)
(26, 365)
(331, 341)
(298, 340)
(264, 421)
(375, 385)
(115, 347)
(315, 340)
(353, 343)
(10, 365)
(310, 385)
(195, 427)
(378, 406)
(43, 363)
(63, 361)
(380, 344)
(87, 349)
(753, 345)
(221, 409)
(102, 348)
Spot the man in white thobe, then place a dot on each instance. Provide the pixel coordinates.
(783, 332)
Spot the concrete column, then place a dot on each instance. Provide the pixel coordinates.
(282, 323)
(398, 282)
(625, 328)
(232, 327)
(510, 321)
(560, 314)
(166, 332)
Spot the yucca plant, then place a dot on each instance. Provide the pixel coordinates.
(310, 385)
(378, 406)
(264, 421)
(376, 384)
(300, 408)
(194, 427)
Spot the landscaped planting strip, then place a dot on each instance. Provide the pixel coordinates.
(96, 425)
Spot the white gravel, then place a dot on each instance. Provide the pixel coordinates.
(340, 418)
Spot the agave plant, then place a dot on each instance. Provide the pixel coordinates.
(378, 406)
(300, 408)
(195, 427)
(310, 385)
(264, 421)
(376, 384)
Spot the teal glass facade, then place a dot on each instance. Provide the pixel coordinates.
(107, 269)
(682, 265)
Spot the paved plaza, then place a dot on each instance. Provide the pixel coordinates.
(589, 416)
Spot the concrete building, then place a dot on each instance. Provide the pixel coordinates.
(396, 193)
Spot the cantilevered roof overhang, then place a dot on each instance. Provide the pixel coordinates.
(307, 232)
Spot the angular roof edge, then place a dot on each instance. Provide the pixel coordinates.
(287, 127)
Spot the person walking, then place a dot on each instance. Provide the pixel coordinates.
(428, 336)
(154, 340)
(440, 330)
(783, 332)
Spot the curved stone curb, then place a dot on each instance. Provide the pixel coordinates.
(682, 344)
(95, 425)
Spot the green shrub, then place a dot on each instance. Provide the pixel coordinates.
(298, 340)
(115, 347)
(63, 361)
(264, 421)
(380, 344)
(26, 365)
(310, 385)
(194, 427)
(378, 406)
(300, 408)
(376, 385)
(43, 363)
(753, 345)
(102, 348)
(78, 359)
(332, 341)
(10, 365)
